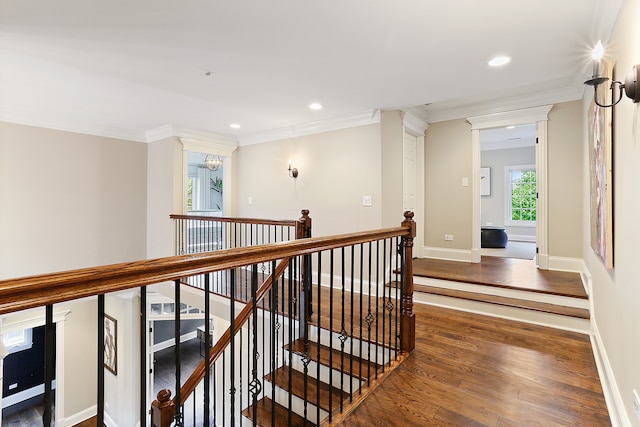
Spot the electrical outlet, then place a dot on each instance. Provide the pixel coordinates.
(250, 200)
(366, 201)
(448, 237)
(636, 404)
(12, 386)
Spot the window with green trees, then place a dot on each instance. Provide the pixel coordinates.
(522, 194)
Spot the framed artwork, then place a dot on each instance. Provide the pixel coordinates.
(485, 181)
(111, 344)
(601, 173)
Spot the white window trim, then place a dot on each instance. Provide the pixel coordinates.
(507, 196)
(25, 344)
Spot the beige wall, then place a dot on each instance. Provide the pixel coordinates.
(335, 170)
(71, 201)
(616, 293)
(565, 145)
(447, 202)
(392, 134)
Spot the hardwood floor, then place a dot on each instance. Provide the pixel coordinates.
(473, 370)
(503, 272)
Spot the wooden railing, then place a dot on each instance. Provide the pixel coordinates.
(50, 289)
(263, 307)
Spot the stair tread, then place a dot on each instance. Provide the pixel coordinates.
(264, 406)
(362, 369)
(580, 313)
(281, 379)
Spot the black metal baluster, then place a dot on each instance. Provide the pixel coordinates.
(377, 303)
(353, 256)
(232, 373)
(331, 266)
(361, 306)
(100, 410)
(318, 319)
(179, 420)
(343, 331)
(144, 409)
(369, 319)
(255, 386)
(273, 307)
(207, 350)
(290, 305)
(49, 365)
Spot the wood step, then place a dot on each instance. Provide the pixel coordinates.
(362, 369)
(264, 407)
(281, 378)
(579, 313)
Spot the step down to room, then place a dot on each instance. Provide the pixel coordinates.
(506, 301)
(557, 311)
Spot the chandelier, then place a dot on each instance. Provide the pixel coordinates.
(213, 162)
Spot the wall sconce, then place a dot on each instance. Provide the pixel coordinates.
(293, 172)
(630, 85)
(213, 162)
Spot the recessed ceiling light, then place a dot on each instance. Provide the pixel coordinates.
(315, 106)
(511, 127)
(234, 126)
(499, 61)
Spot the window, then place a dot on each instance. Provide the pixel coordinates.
(521, 195)
(18, 341)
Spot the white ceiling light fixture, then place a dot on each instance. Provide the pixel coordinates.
(499, 61)
(235, 126)
(315, 106)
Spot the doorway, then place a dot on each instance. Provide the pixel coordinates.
(539, 116)
(508, 211)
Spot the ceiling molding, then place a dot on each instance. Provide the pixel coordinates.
(463, 109)
(207, 147)
(414, 124)
(516, 117)
(76, 127)
(205, 140)
(361, 119)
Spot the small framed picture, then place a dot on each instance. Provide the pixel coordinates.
(111, 344)
(485, 181)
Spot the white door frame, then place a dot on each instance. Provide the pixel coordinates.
(417, 127)
(539, 116)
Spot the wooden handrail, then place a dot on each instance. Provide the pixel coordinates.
(40, 290)
(217, 350)
(283, 222)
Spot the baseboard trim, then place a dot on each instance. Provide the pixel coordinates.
(170, 343)
(78, 417)
(615, 403)
(447, 254)
(521, 238)
(573, 265)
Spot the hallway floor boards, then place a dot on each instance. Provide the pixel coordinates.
(474, 370)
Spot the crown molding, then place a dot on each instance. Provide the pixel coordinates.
(361, 119)
(76, 127)
(464, 109)
(171, 131)
(414, 124)
(514, 117)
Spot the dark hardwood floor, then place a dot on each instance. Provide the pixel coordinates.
(473, 370)
(503, 272)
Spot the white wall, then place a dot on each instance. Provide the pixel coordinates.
(616, 292)
(335, 170)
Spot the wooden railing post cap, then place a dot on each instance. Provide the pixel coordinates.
(163, 397)
(409, 222)
(305, 213)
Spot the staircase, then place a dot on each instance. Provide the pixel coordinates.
(335, 375)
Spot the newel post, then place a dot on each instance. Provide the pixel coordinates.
(303, 227)
(407, 315)
(163, 410)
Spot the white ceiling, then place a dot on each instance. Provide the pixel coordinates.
(124, 68)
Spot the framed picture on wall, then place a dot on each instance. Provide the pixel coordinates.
(485, 181)
(111, 344)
